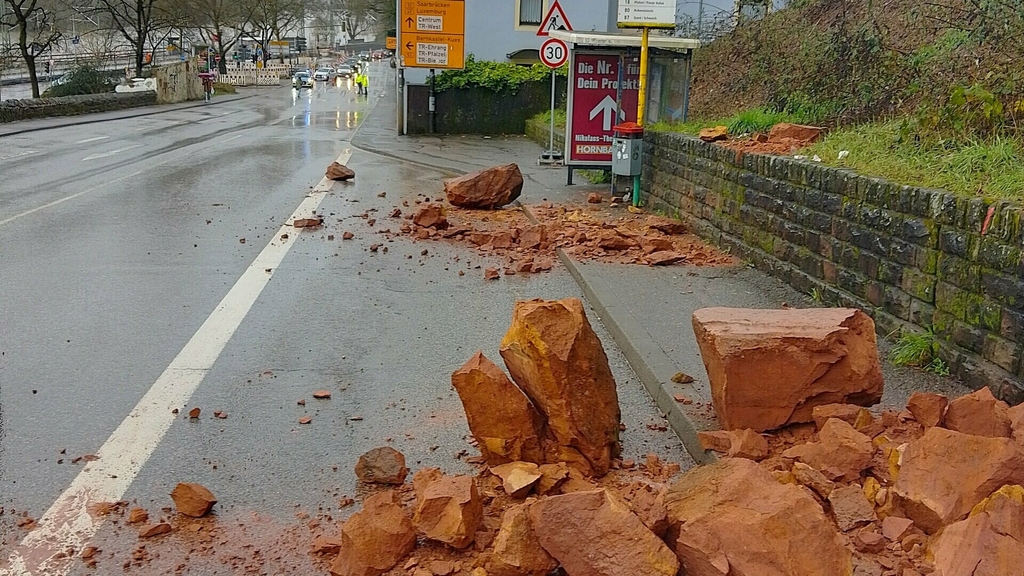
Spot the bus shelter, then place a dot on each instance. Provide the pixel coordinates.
(604, 82)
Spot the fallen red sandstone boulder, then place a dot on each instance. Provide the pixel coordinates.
(714, 134)
(449, 510)
(430, 216)
(851, 507)
(488, 188)
(928, 409)
(518, 478)
(989, 543)
(945, 473)
(595, 534)
(798, 132)
(735, 443)
(501, 418)
(375, 539)
(383, 465)
(555, 357)
(856, 416)
(341, 172)
(517, 552)
(768, 368)
(979, 413)
(1016, 415)
(193, 499)
(648, 504)
(732, 518)
(841, 452)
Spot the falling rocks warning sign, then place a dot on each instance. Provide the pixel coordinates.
(594, 87)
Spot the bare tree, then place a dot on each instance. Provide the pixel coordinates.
(222, 23)
(271, 17)
(37, 33)
(138, 21)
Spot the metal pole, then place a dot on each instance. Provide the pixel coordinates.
(641, 103)
(618, 102)
(551, 138)
(431, 105)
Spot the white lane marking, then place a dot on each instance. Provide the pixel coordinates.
(99, 155)
(68, 524)
(92, 139)
(18, 154)
(107, 183)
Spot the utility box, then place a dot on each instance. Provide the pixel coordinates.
(627, 149)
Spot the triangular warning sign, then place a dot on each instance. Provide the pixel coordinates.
(554, 20)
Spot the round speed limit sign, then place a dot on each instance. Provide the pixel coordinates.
(553, 53)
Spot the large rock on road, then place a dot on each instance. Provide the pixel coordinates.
(488, 188)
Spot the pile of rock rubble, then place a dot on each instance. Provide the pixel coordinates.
(810, 482)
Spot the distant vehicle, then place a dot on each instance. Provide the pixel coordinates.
(345, 71)
(323, 74)
(302, 80)
(364, 56)
(378, 54)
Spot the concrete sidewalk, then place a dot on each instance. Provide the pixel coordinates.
(646, 309)
(37, 124)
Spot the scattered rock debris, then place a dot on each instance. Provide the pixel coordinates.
(192, 499)
(488, 188)
(339, 172)
(308, 222)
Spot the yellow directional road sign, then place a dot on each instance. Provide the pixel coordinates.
(432, 33)
(391, 43)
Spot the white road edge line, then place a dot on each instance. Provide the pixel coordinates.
(67, 525)
(99, 155)
(107, 183)
(92, 139)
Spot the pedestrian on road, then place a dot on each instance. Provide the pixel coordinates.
(359, 84)
(207, 87)
(365, 84)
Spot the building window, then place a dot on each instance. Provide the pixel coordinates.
(529, 12)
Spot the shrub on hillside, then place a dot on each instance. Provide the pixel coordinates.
(497, 76)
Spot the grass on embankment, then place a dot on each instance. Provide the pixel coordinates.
(222, 88)
(990, 169)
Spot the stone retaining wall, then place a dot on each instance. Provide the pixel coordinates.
(540, 132)
(28, 108)
(912, 258)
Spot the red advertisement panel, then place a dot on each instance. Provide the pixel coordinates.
(593, 86)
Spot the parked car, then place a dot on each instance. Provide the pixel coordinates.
(345, 71)
(323, 74)
(302, 80)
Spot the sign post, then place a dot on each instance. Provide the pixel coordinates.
(645, 14)
(553, 53)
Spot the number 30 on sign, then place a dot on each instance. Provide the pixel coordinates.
(553, 53)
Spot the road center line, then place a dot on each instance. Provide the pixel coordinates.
(92, 139)
(99, 155)
(68, 524)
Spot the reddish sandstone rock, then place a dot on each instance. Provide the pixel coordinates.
(732, 517)
(798, 132)
(338, 171)
(648, 504)
(735, 443)
(1016, 415)
(517, 552)
(193, 499)
(945, 473)
(895, 528)
(851, 508)
(981, 414)
(375, 539)
(651, 245)
(431, 216)
(518, 478)
(856, 416)
(449, 511)
(840, 453)
(666, 225)
(928, 409)
(504, 422)
(714, 134)
(813, 479)
(989, 543)
(768, 368)
(326, 545)
(556, 358)
(612, 240)
(868, 541)
(594, 198)
(383, 465)
(151, 530)
(491, 274)
(552, 476)
(665, 258)
(488, 188)
(595, 533)
(533, 237)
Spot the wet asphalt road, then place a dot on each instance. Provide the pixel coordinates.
(119, 239)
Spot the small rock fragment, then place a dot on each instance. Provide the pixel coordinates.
(347, 235)
(928, 409)
(193, 499)
(194, 413)
(383, 465)
(151, 530)
(322, 394)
